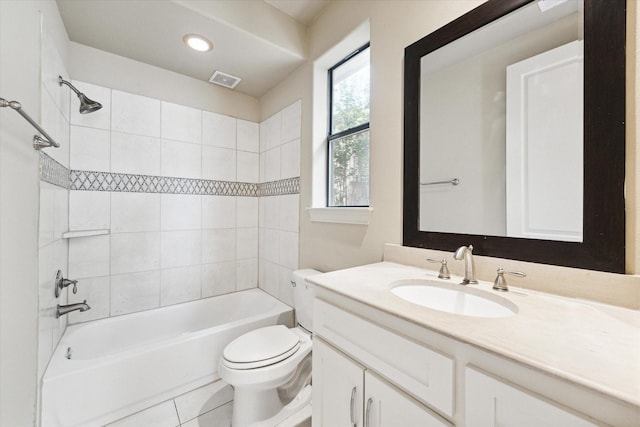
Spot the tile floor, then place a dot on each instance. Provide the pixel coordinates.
(208, 406)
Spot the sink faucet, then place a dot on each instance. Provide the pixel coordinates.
(465, 252)
(61, 310)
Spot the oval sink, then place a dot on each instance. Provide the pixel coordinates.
(454, 299)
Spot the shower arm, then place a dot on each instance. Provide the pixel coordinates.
(38, 142)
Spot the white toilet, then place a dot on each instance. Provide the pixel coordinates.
(257, 363)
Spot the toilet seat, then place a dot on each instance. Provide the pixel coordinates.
(261, 347)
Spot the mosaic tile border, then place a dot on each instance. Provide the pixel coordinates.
(54, 172)
(280, 187)
(133, 183)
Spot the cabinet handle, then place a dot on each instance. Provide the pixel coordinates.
(367, 413)
(352, 407)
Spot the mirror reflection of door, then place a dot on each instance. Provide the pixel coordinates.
(465, 113)
(544, 154)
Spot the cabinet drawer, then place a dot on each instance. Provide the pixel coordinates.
(422, 372)
(491, 402)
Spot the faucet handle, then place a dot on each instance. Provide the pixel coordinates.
(500, 284)
(444, 270)
(62, 283)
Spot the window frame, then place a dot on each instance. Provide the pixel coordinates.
(347, 132)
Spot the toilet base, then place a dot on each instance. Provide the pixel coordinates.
(251, 405)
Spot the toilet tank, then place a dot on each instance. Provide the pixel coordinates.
(303, 294)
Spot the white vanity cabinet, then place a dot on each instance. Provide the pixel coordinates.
(360, 368)
(492, 402)
(348, 394)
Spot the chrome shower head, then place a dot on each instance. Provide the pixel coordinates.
(87, 105)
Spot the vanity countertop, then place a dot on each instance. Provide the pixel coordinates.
(590, 344)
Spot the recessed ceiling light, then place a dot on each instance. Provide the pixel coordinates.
(197, 42)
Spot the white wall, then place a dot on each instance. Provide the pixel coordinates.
(393, 26)
(20, 23)
(106, 69)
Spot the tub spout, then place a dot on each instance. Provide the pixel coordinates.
(61, 310)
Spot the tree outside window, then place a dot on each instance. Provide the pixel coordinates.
(348, 139)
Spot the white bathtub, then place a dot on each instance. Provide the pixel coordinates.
(124, 364)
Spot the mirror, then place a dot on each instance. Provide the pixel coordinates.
(514, 133)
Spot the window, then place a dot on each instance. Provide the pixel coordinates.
(348, 136)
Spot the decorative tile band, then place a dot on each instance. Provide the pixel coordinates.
(132, 183)
(53, 172)
(280, 187)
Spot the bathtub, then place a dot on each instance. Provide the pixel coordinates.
(124, 364)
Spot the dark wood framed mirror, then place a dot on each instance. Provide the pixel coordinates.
(601, 245)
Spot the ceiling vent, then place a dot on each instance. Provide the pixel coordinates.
(224, 79)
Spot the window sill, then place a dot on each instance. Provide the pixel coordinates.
(357, 216)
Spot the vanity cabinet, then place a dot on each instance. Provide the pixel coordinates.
(492, 402)
(348, 394)
(366, 375)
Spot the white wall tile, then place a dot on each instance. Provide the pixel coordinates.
(180, 248)
(218, 212)
(285, 290)
(262, 135)
(60, 212)
(218, 130)
(248, 167)
(100, 119)
(133, 212)
(133, 252)
(203, 399)
(90, 149)
(181, 212)
(89, 210)
(272, 165)
(96, 291)
(247, 211)
(181, 159)
(271, 212)
(135, 154)
(288, 249)
(291, 122)
(218, 278)
(290, 159)
(46, 214)
(181, 123)
(180, 284)
(246, 274)
(247, 243)
(89, 257)
(56, 126)
(271, 246)
(269, 275)
(135, 292)
(263, 166)
(135, 114)
(273, 131)
(248, 136)
(51, 66)
(218, 245)
(288, 210)
(218, 164)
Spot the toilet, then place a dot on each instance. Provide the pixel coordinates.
(262, 363)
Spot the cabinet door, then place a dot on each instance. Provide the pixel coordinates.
(338, 385)
(491, 402)
(386, 406)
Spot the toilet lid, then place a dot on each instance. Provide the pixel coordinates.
(262, 347)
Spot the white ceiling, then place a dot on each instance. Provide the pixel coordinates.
(255, 40)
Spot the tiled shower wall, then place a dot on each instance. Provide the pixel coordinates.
(179, 191)
(54, 199)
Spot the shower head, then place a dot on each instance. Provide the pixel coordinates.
(87, 105)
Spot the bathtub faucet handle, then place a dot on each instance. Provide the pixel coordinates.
(62, 283)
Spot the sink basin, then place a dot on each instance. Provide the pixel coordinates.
(455, 299)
